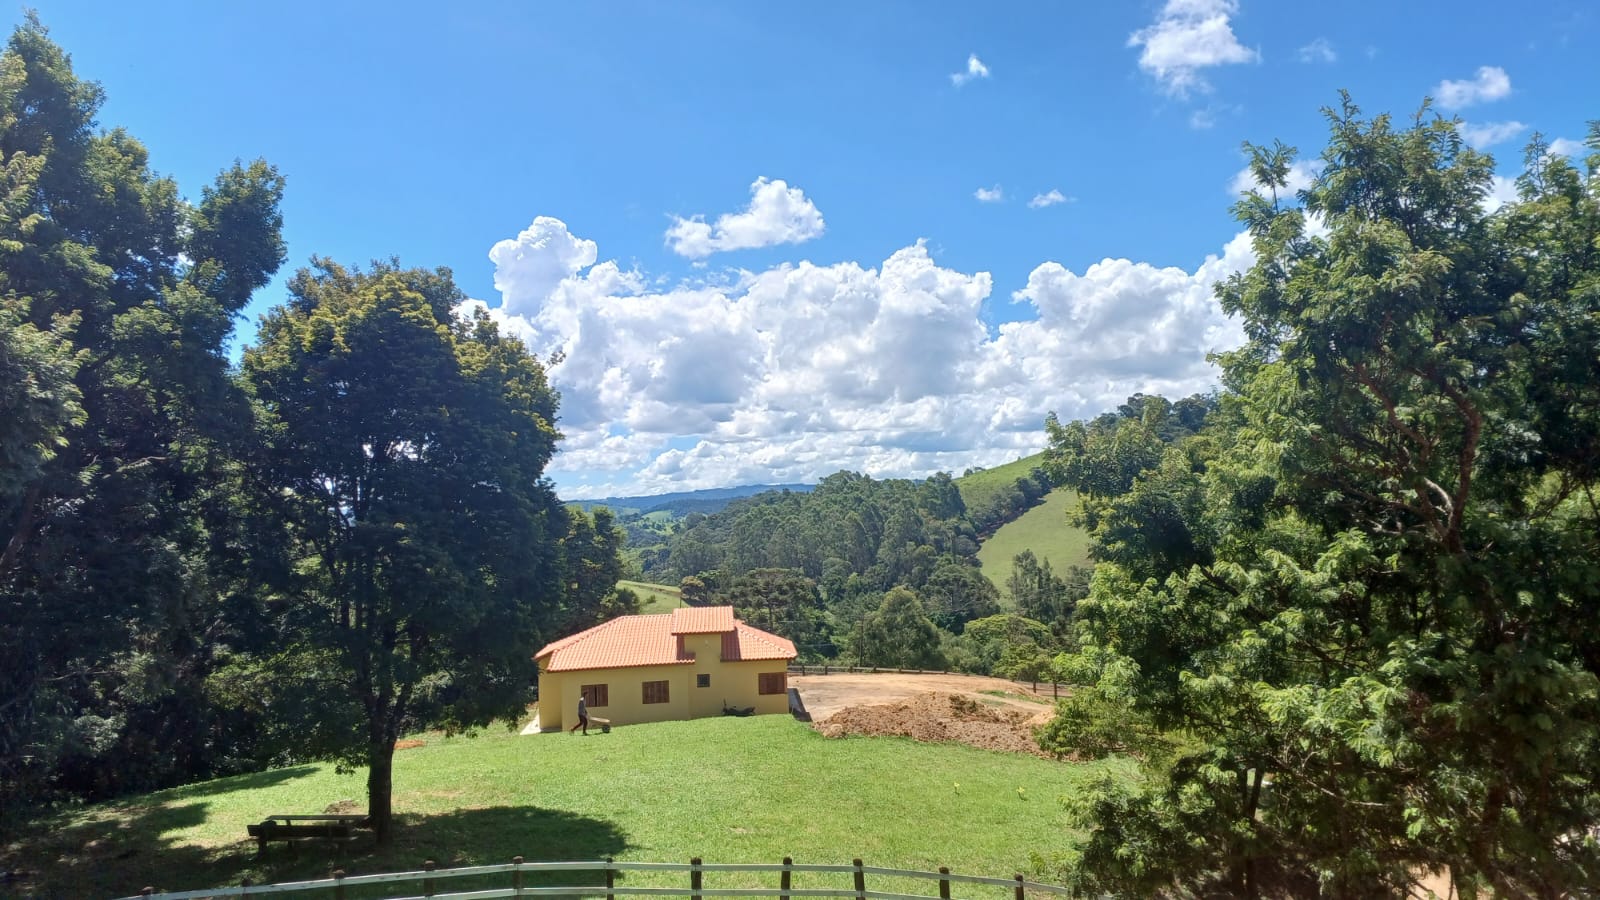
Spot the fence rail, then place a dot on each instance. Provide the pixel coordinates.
(429, 877)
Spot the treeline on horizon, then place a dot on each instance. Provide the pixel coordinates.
(885, 572)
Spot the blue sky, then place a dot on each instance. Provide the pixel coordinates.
(840, 295)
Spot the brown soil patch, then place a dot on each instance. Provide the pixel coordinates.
(409, 743)
(825, 695)
(939, 716)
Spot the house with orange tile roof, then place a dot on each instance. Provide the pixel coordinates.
(685, 664)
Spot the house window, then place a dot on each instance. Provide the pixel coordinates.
(702, 680)
(774, 682)
(655, 692)
(594, 695)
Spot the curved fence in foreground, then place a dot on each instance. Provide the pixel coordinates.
(528, 879)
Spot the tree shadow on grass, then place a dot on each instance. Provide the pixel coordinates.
(118, 855)
(107, 852)
(235, 783)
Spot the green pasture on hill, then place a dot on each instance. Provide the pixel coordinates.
(977, 488)
(654, 598)
(1045, 531)
(725, 789)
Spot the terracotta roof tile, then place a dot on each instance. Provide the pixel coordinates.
(653, 641)
(702, 619)
(746, 643)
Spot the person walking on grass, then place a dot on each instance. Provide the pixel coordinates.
(583, 715)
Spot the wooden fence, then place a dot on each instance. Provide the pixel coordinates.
(517, 872)
(828, 669)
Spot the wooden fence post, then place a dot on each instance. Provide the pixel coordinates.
(695, 877)
(786, 880)
(611, 879)
(944, 883)
(338, 884)
(427, 883)
(516, 875)
(1055, 691)
(861, 880)
(244, 886)
(1019, 888)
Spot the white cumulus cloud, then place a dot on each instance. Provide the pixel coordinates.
(1487, 134)
(989, 195)
(799, 370)
(1318, 51)
(1568, 147)
(1502, 190)
(1491, 83)
(1188, 37)
(975, 69)
(777, 214)
(1049, 198)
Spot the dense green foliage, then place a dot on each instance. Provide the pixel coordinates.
(403, 449)
(898, 633)
(816, 567)
(203, 570)
(1349, 624)
(119, 422)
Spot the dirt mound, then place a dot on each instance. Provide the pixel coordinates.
(937, 716)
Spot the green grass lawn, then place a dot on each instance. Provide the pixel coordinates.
(979, 486)
(654, 598)
(725, 789)
(1045, 531)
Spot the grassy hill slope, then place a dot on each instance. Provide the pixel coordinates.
(726, 789)
(979, 486)
(1045, 531)
(654, 598)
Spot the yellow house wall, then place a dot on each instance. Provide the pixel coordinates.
(552, 702)
(736, 684)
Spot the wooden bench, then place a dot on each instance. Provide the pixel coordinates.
(292, 828)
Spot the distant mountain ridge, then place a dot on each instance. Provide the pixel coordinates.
(709, 500)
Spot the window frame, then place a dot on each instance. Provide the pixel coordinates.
(762, 682)
(702, 680)
(665, 692)
(595, 696)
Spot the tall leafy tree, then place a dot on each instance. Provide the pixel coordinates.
(404, 449)
(899, 633)
(1364, 649)
(593, 565)
(118, 422)
(782, 601)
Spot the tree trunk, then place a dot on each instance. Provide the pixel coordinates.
(380, 770)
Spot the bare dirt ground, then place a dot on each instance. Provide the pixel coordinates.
(990, 713)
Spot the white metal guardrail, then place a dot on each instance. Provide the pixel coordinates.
(517, 872)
